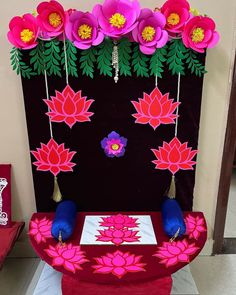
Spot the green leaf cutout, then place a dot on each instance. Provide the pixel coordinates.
(157, 62)
(37, 58)
(140, 62)
(176, 56)
(71, 52)
(104, 58)
(124, 51)
(52, 57)
(87, 61)
(194, 64)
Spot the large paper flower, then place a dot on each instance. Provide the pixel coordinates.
(199, 33)
(117, 17)
(195, 226)
(114, 145)
(68, 256)
(149, 32)
(118, 263)
(82, 29)
(175, 252)
(177, 13)
(155, 109)
(174, 156)
(40, 229)
(119, 221)
(69, 107)
(23, 31)
(118, 236)
(53, 157)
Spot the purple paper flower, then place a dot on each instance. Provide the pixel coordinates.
(82, 29)
(149, 32)
(114, 145)
(117, 17)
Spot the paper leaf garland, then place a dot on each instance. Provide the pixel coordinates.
(140, 62)
(124, 51)
(52, 58)
(37, 58)
(194, 64)
(175, 57)
(87, 61)
(157, 62)
(71, 52)
(104, 58)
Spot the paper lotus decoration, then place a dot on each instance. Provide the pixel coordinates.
(119, 221)
(118, 236)
(40, 229)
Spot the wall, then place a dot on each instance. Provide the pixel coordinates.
(14, 141)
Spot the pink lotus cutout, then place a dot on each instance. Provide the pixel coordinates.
(195, 226)
(68, 256)
(155, 109)
(118, 264)
(69, 107)
(175, 252)
(40, 229)
(174, 156)
(118, 236)
(119, 221)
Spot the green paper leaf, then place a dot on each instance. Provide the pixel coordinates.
(71, 52)
(37, 58)
(140, 62)
(194, 64)
(104, 59)
(176, 56)
(157, 62)
(87, 61)
(124, 51)
(52, 57)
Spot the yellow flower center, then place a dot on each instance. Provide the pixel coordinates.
(85, 32)
(117, 20)
(198, 35)
(173, 19)
(148, 33)
(55, 19)
(26, 35)
(115, 147)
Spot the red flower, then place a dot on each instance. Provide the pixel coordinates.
(194, 225)
(155, 109)
(40, 229)
(117, 236)
(53, 157)
(174, 156)
(119, 221)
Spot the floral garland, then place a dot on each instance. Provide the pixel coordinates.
(146, 39)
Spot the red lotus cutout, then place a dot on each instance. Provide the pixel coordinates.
(174, 156)
(119, 221)
(155, 109)
(118, 236)
(195, 226)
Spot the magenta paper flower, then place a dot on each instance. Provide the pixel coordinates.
(177, 13)
(199, 33)
(114, 145)
(119, 221)
(82, 29)
(53, 157)
(194, 226)
(68, 256)
(174, 156)
(149, 32)
(155, 109)
(175, 252)
(117, 17)
(118, 236)
(24, 31)
(118, 263)
(40, 229)
(69, 107)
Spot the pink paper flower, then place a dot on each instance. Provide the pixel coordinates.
(177, 13)
(68, 256)
(24, 31)
(117, 17)
(53, 157)
(118, 263)
(195, 226)
(149, 32)
(40, 229)
(69, 107)
(119, 221)
(114, 145)
(175, 252)
(118, 236)
(155, 109)
(174, 156)
(199, 33)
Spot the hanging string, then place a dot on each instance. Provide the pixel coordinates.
(156, 80)
(48, 97)
(177, 110)
(66, 59)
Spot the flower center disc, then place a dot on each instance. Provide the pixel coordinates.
(117, 20)
(54, 19)
(85, 32)
(198, 35)
(26, 35)
(115, 147)
(148, 33)
(173, 19)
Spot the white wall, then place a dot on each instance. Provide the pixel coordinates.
(14, 141)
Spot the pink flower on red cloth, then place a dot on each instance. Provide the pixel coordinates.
(68, 256)
(119, 221)
(40, 229)
(53, 157)
(118, 264)
(199, 33)
(194, 226)
(69, 107)
(24, 31)
(174, 156)
(175, 252)
(155, 109)
(118, 236)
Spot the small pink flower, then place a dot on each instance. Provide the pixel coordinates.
(40, 229)
(175, 252)
(68, 256)
(118, 263)
(119, 221)
(195, 226)
(118, 236)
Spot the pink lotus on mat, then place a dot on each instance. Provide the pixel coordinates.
(175, 252)
(174, 156)
(118, 264)
(119, 221)
(69, 107)
(155, 109)
(53, 157)
(195, 226)
(68, 256)
(118, 236)
(40, 229)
